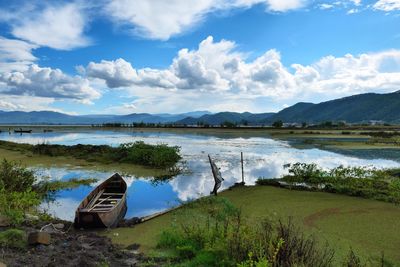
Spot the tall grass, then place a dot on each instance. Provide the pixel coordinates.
(212, 232)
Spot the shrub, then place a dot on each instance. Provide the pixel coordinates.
(14, 177)
(20, 192)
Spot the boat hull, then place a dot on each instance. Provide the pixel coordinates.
(90, 218)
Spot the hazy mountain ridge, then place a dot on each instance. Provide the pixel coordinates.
(352, 109)
(356, 108)
(221, 117)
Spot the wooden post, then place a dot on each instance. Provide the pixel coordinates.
(241, 160)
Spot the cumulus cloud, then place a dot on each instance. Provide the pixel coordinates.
(387, 5)
(46, 82)
(117, 73)
(216, 71)
(159, 19)
(57, 26)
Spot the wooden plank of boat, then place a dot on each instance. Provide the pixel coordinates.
(105, 206)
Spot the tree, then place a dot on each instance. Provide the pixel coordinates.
(277, 124)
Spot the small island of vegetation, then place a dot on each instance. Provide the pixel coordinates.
(159, 156)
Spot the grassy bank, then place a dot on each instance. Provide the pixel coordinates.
(367, 226)
(363, 182)
(157, 156)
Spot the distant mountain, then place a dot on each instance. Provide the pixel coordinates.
(40, 117)
(356, 108)
(352, 109)
(50, 117)
(221, 117)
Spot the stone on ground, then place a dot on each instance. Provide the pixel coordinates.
(39, 238)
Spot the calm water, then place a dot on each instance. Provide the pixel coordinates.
(264, 157)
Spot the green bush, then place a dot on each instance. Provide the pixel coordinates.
(20, 191)
(14, 177)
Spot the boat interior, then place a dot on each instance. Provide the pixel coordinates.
(107, 197)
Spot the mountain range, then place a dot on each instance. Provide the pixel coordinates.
(352, 109)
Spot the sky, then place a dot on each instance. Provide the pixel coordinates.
(175, 56)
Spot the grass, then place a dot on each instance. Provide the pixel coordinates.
(13, 238)
(367, 226)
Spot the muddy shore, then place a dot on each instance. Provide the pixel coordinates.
(69, 247)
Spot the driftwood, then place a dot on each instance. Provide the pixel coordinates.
(217, 176)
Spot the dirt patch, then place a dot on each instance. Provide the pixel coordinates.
(73, 248)
(311, 219)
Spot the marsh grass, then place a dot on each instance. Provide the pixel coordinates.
(363, 182)
(159, 156)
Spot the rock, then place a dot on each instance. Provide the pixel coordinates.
(2, 264)
(59, 226)
(4, 222)
(86, 246)
(39, 238)
(49, 229)
(30, 217)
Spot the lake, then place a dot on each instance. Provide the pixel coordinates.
(263, 157)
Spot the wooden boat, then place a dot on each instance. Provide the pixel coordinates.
(105, 206)
(22, 131)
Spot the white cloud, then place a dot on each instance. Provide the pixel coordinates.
(325, 6)
(282, 6)
(47, 82)
(159, 19)
(387, 5)
(118, 73)
(25, 103)
(223, 79)
(15, 54)
(56, 26)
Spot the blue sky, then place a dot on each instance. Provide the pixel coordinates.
(155, 56)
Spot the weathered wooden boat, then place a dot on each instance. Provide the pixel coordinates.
(105, 206)
(22, 131)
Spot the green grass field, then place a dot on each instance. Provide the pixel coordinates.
(369, 227)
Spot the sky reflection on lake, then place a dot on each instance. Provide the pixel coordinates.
(264, 157)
